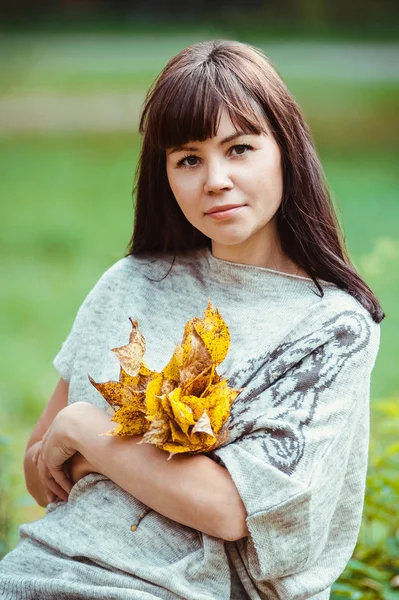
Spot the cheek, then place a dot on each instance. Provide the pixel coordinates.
(178, 192)
(184, 187)
(277, 179)
(268, 175)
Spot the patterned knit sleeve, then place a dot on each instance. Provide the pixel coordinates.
(298, 451)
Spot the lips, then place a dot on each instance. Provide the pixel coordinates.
(222, 208)
(227, 213)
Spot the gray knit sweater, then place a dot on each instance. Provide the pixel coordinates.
(297, 450)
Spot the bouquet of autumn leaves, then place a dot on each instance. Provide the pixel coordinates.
(185, 406)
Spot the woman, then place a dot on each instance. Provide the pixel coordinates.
(231, 205)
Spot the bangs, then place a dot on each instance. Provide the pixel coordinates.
(187, 107)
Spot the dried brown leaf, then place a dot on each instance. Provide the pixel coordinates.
(197, 359)
(130, 356)
(158, 431)
(203, 424)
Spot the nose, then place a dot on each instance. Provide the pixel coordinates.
(217, 178)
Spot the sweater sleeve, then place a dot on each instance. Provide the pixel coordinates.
(89, 323)
(298, 450)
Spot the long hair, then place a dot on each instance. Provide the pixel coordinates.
(184, 104)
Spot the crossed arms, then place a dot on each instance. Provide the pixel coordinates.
(191, 489)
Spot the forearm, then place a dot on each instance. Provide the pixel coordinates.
(33, 483)
(190, 489)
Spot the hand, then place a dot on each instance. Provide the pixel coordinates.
(49, 462)
(50, 495)
(49, 488)
(56, 447)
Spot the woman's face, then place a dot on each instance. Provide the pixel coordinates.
(231, 168)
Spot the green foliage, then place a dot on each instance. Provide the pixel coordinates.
(4, 496)
(373, 571)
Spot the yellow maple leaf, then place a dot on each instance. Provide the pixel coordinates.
(214, 333)
(131, 422)
(152, 400)
(120, 394)
(185, 408)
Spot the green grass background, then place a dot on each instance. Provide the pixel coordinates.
(67, 216)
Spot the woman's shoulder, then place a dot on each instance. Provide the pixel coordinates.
(131, 263)
(120, 278)
(131, 267)
(345, 321)
(337, 301)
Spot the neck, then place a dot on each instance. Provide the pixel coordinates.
(269, 256)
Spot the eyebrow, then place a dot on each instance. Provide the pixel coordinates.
(227, 139)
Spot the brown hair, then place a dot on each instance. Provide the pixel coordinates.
(184, 104)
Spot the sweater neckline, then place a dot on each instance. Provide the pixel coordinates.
(221, 263)
(252, 279)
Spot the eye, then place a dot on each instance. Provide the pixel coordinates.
(188, 161)
(241, 149)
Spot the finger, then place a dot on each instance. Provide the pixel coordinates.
(52, 487)
(42, 471)
(35, 456)
(51, 497)
(62, 480)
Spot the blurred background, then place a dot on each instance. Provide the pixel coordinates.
(73, 76)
